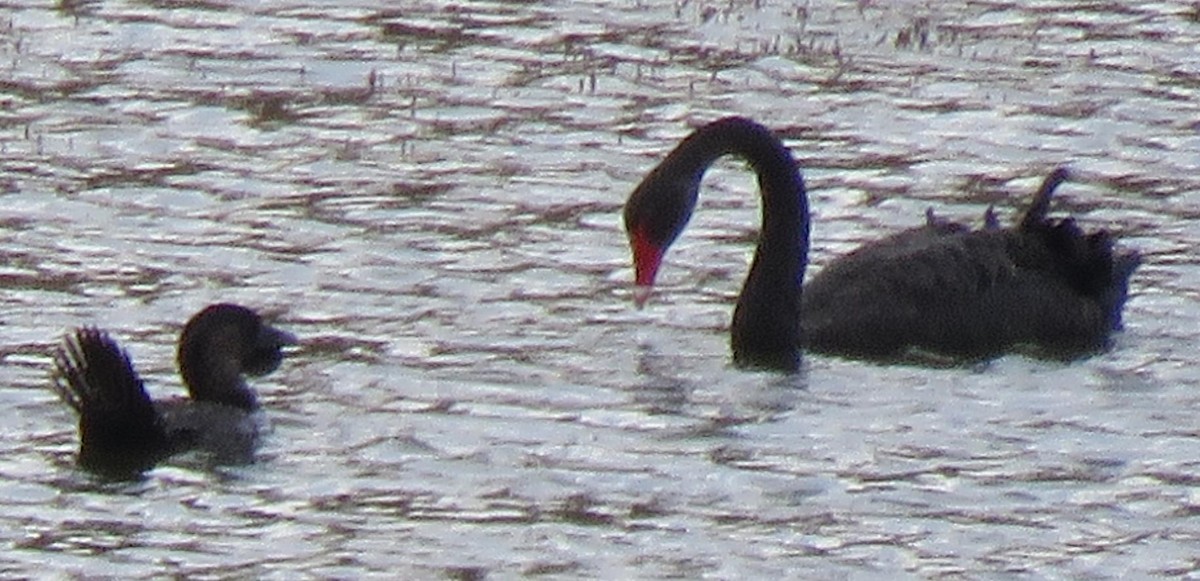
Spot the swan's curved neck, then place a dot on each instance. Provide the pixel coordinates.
(765, 330)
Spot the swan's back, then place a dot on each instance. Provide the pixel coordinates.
(969, 294)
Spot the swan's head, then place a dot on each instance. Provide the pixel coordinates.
(655, 214)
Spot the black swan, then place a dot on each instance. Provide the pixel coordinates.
(123, 432)
(940, 290)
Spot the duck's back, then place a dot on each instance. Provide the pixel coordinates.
(967, 294)
(224, 433)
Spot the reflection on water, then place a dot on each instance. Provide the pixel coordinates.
(430, 198)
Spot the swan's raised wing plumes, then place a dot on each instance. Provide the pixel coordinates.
(941, 288)
(120, 431)
(1043, 284)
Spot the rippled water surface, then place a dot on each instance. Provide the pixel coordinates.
(429, 197)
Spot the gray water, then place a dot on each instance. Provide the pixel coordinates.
(475, 395)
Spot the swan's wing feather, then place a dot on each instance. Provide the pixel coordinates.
(968, 294)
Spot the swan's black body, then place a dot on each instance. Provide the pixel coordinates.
(941, 289)
(123, 432)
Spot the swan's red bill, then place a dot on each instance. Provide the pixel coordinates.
(647, 257)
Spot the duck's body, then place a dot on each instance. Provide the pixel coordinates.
(942, 289)
(123, 432)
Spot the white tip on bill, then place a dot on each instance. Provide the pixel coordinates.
(641, 294)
